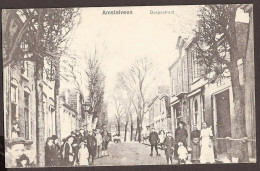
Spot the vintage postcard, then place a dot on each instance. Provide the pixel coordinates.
(143, 85)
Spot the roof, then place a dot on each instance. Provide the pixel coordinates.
(153, 100)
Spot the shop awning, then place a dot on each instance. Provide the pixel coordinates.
(174, 100)
(194, 92)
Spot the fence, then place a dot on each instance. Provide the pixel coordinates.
(223, 148)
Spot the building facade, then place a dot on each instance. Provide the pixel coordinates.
(159, 113)
(70, 112)
(196, 97)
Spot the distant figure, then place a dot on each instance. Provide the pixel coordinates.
(83, 154)
(92, 143)
(169, 147)
(207, 151)
(161, 137)
(195, 144)
(154, 139)
(99, 142)
(182, 153)
(105, 142)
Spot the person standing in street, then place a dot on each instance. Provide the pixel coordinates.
(92, 143)
(105, 141)
(207, 151)
(99, 142)
(56, 153)
(181, 135)
(68, 154)
(169, 147)
(154, 139)
(83, 154)
(195, 144)
(161, 137)
(49, 152)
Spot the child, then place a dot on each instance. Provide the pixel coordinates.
(182, 153)
(23, 161)
(169, 147)
(83, 155)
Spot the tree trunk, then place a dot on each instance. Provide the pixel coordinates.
(131, 130)
(57, 102)
(238, 127)
(40, 127)
(118, 128)
(126, 124)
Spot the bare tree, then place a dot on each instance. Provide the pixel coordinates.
(128, 110)
(119, 114)
(137, 81)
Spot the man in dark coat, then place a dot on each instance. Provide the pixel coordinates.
(181, 135)
(154, 139)
(169, 146)
(92, 142)
(56, 151)
(68, 154)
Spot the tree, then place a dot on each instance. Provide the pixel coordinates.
(137, 81)
(43, 36)
(103, 117)
(96, 86)
(219, 42)
(119, 114)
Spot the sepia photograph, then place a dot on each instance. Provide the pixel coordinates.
(127, 86)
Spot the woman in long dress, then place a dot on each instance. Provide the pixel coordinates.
(207, 151)
(195, 144)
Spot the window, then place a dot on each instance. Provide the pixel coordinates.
(14, 115)
(194, 58)
(183, 74)
(26, 116)
(195, 112)
(240, 71)
(25, 68)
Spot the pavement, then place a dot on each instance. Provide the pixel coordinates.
(131, 153)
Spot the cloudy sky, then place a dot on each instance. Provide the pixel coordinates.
(121, 39)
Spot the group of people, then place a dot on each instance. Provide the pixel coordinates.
(201, 144)
(78, 149)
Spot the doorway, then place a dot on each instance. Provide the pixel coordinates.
(223, 119)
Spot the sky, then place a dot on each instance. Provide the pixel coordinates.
(121, 39)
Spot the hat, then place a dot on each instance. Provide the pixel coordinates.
(54, 137)
(81, 143)
(18, 140)
(183, 123)
(180, 143)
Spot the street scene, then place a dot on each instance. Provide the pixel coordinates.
(117, 86)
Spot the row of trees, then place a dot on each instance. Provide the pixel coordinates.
(134, 88)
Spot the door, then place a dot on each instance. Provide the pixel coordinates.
(223, 119)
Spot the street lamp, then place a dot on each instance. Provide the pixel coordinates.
(86, 108)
